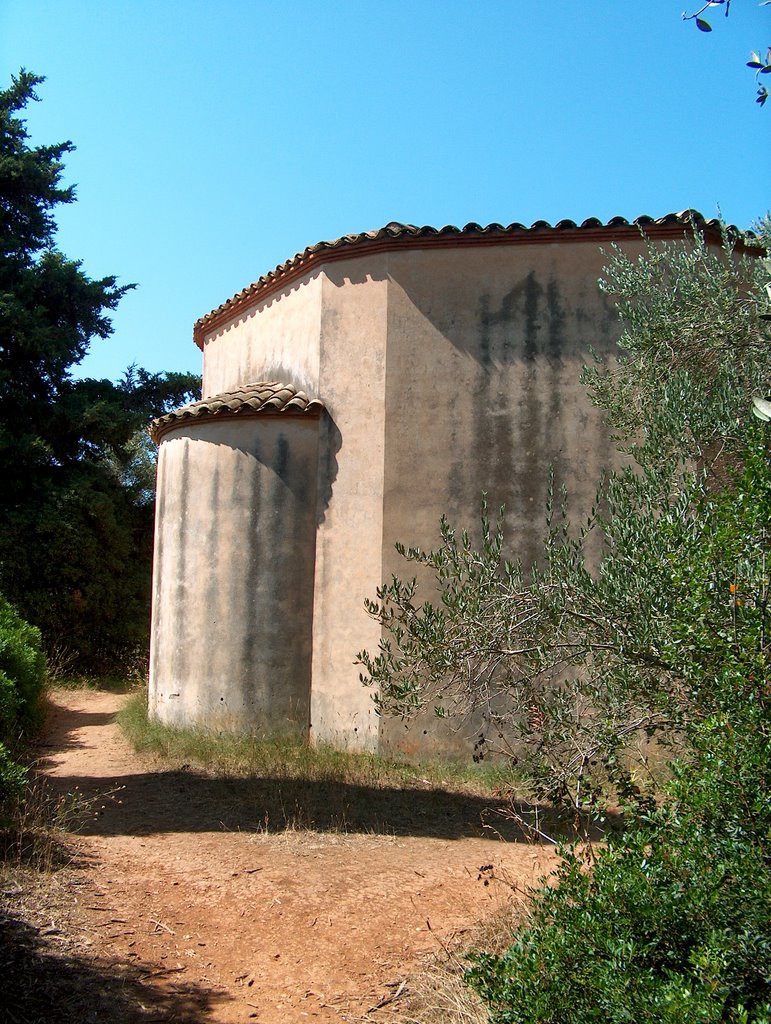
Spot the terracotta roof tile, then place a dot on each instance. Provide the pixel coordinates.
(395, 235)
(263, 397)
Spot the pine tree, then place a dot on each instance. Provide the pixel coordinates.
(75, 523)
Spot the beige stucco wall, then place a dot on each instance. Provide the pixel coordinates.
(349, 543)
(485, 349)
(326, 334)
(233, 574)
(277, 339)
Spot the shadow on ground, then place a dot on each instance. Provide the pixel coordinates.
(43, 984)
(186, 801)
(60, 729)
(189, 800)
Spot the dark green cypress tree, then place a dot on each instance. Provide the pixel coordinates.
(75, 520)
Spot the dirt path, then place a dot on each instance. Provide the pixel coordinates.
(230, 921)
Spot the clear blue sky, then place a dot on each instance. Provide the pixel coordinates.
(216, 140)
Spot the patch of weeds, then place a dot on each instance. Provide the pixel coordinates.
(33, 831)
(64, 671)
(107, 683)
(286, 757)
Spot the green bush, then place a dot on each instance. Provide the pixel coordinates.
(13, 777)
(22, 674)
(670, 922)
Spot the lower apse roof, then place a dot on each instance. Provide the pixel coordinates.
(260, 398)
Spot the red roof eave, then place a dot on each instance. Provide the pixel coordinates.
(406, 236)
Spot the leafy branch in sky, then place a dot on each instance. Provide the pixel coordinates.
(701, 23)
(760, 65)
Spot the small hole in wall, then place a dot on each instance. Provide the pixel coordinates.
(222, 700)
(355, 728)
(425, 732)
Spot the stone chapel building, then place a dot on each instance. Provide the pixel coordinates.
(350, 398)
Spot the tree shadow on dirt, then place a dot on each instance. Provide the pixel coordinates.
(42, 983)
(188, 801)
(60, 732)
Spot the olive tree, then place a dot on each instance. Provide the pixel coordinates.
(577, 661)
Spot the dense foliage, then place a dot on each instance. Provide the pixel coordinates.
(76, 501)
(22, 674)
(669, 924)
(670, 921)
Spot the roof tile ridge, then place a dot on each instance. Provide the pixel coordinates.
(395, 230)
(259, 397)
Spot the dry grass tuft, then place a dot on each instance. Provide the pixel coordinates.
(437, 993)
(33, 833)
(439, 996)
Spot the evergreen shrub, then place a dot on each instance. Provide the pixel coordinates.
(22, 675)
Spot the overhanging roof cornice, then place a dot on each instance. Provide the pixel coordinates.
(407, 236)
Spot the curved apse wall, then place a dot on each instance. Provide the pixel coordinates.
(234, 564)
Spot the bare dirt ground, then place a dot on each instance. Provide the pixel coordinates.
(183, 903)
